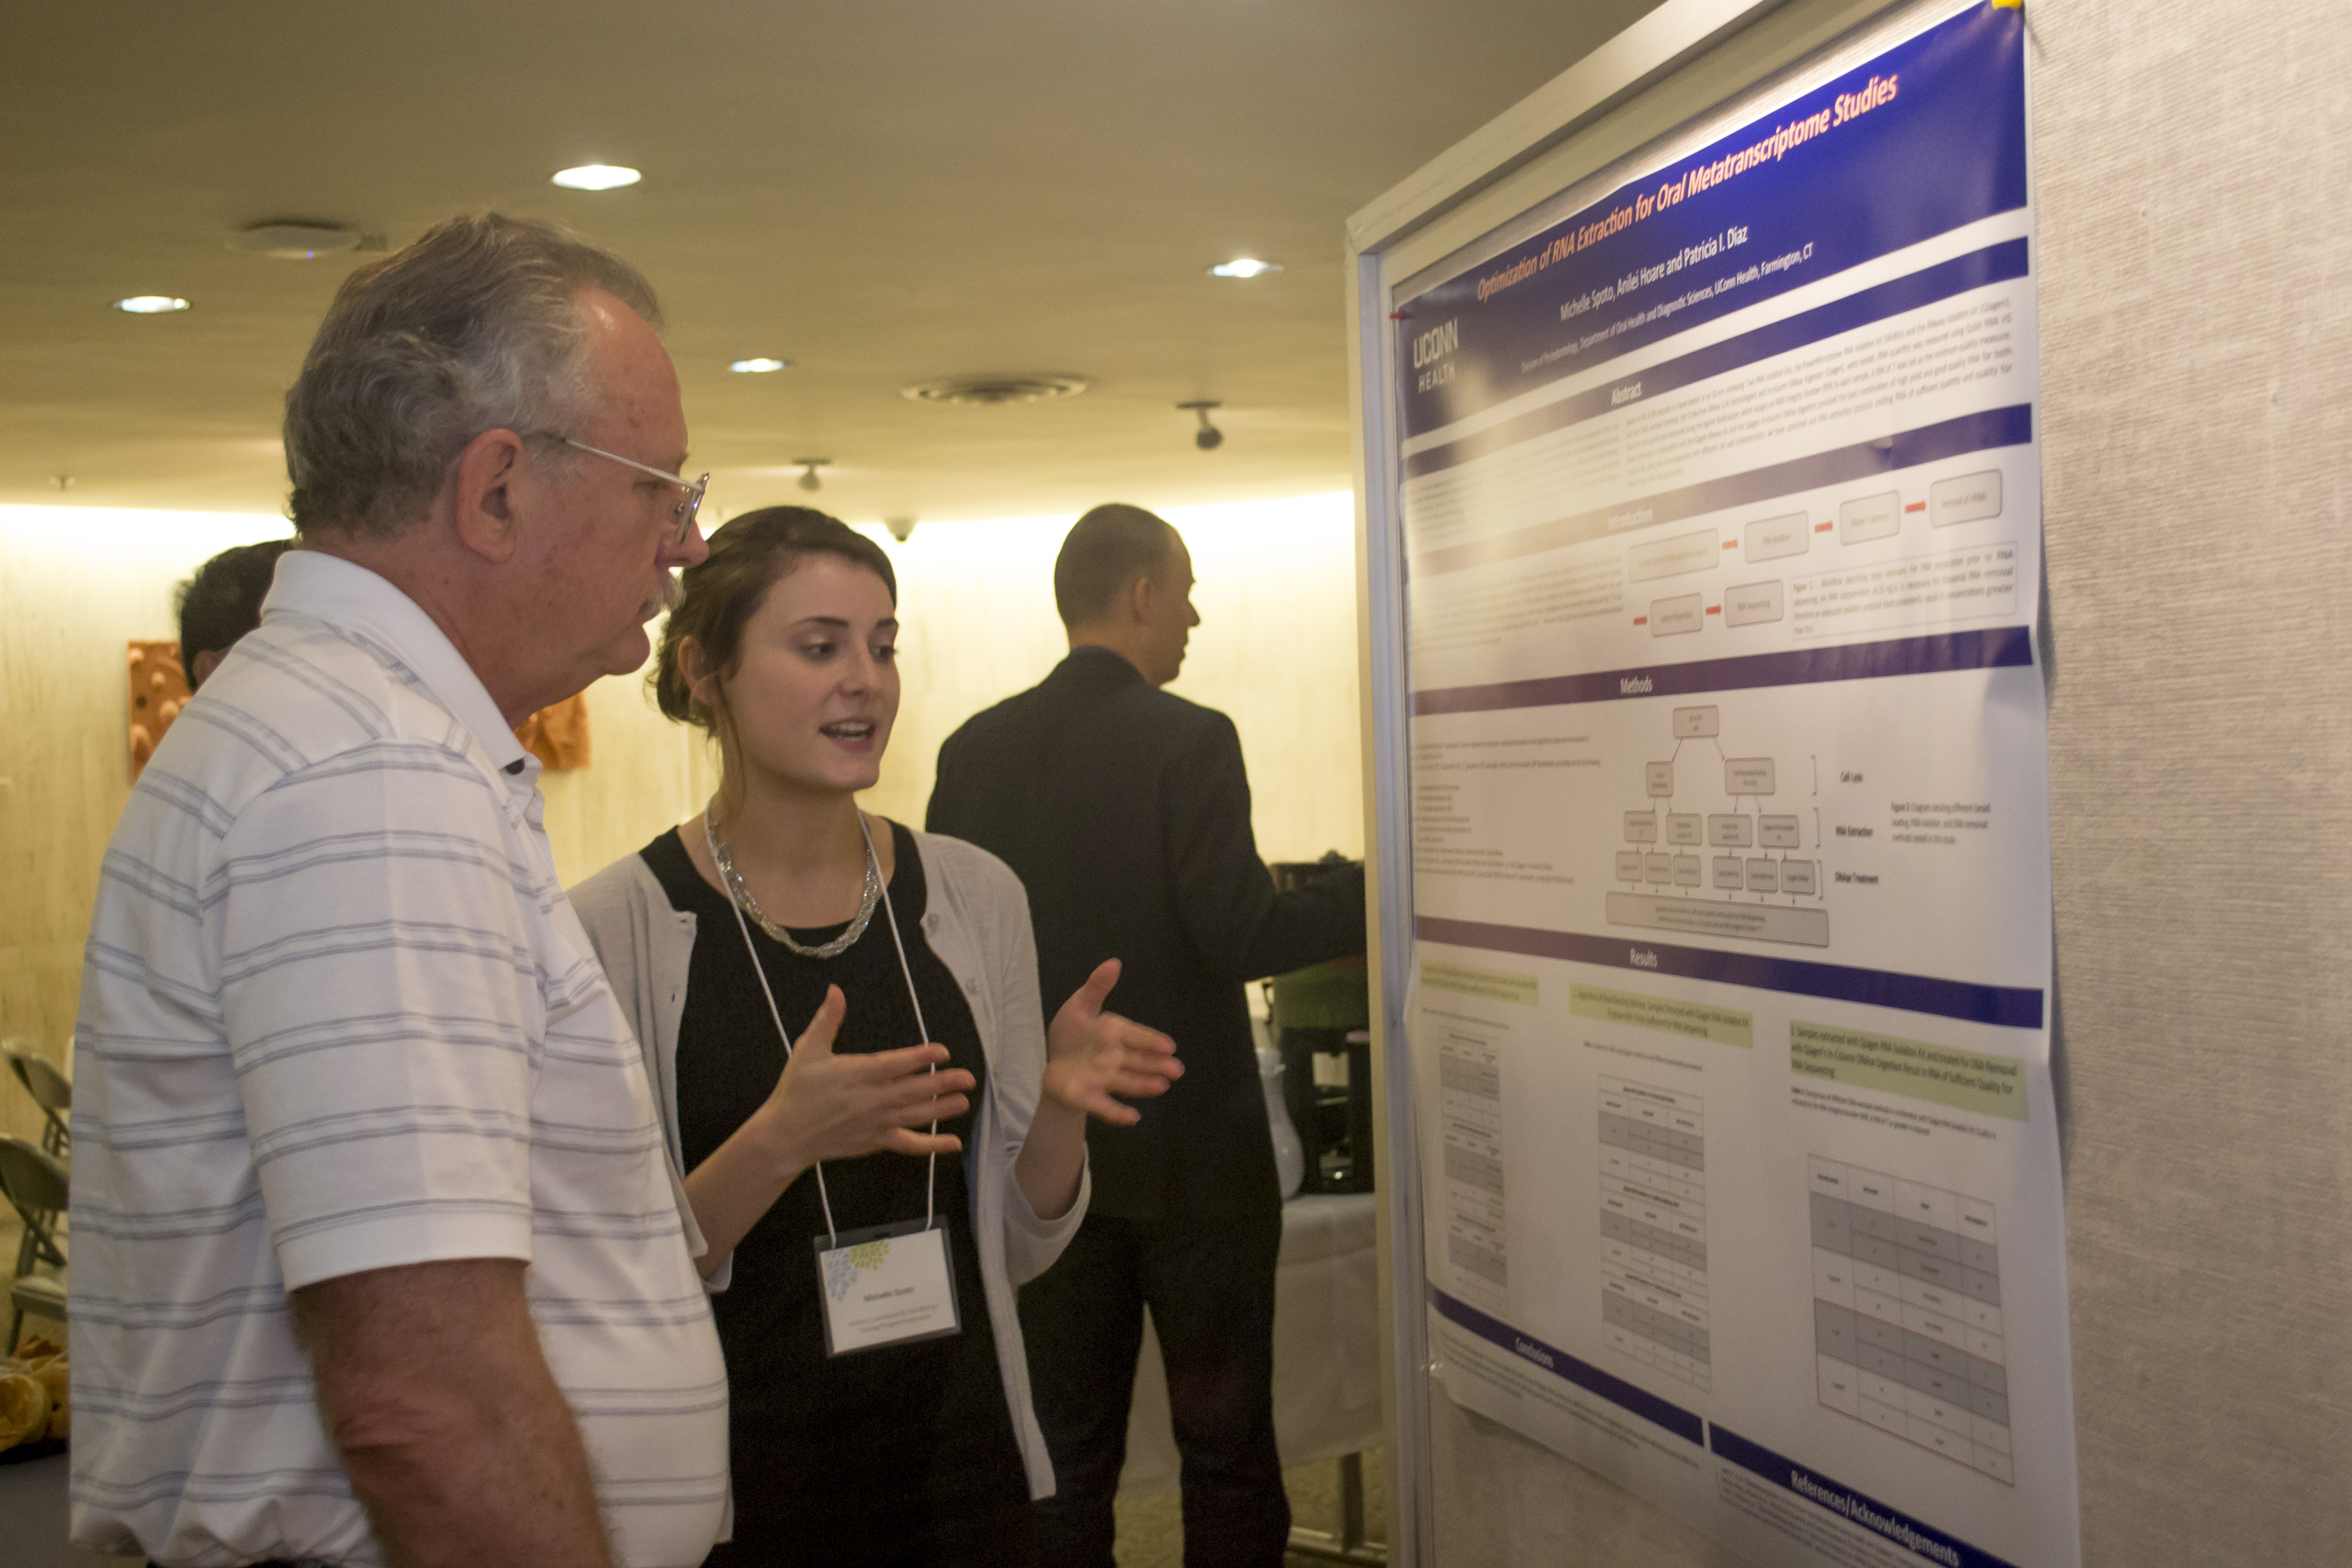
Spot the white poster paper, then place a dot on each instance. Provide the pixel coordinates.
(1731, 877)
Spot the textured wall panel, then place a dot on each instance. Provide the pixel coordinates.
(2196, 309)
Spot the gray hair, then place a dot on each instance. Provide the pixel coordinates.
(473, 327)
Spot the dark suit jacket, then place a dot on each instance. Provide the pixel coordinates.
(1125, 811)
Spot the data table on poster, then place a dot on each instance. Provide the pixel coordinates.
(1476, 1246)
(1653, 1228)
(1906, 1313)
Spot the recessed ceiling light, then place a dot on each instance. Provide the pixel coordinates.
(597, 177)
(150, 304)
(758, 366)
(1245, 266)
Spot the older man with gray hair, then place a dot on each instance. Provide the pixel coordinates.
(377, 1254)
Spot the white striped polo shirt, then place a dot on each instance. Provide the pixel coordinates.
(337, 1015)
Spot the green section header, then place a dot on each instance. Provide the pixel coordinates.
(1693, 1020)
(1965, 1081)
(1494, 985)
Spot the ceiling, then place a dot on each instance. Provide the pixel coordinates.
(881, 191)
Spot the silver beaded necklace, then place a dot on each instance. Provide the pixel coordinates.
(869, 896)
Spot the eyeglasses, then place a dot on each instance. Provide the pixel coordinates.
(684, 510)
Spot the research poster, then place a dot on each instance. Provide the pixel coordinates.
(1731, 1017)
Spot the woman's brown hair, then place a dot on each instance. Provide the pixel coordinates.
(749, 555)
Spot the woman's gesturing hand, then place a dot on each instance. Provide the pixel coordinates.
(828, 1107)
(1091, 1055)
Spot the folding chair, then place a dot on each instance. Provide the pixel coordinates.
(51, 1090)
(41, 1298)
(35, 1185)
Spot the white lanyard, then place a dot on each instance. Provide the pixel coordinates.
(922, 1030)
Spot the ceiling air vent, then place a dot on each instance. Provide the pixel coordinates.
(989, 391)
(299, 240)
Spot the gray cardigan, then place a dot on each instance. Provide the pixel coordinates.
(978, 924)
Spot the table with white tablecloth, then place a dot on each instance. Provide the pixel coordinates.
(1327, 1353)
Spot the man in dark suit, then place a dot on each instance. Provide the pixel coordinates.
(1127, 813)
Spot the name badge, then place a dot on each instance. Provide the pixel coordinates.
(890, 1285)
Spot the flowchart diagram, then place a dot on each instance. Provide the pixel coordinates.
(1968, 581)
(1751, 860)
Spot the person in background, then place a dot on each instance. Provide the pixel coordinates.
(376, 1255)
(905, 962)
(222, 603)
(1125, 811)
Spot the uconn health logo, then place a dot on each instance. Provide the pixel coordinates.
(1430, 349)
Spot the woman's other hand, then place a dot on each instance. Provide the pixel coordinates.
(828, 1107)
(1092, 1055)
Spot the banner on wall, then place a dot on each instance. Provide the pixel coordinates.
(1731, 1015)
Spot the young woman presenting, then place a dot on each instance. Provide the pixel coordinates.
(829, 1002)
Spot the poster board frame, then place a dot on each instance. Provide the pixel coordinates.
(1684, 60)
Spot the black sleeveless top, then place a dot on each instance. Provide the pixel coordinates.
(882, 1456)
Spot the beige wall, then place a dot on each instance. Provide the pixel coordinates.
(76, 585)
(1276, 650)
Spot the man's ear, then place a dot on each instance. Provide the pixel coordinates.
(1137, 600)
(483, 480)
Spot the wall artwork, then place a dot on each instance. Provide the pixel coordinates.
(558, 736)
(159, 689)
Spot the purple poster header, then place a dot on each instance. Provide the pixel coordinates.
(1921, 140)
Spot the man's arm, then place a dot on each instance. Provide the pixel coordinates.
(459, 1445)
(1225, 896)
